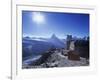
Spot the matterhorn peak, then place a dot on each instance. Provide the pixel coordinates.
(53, 36)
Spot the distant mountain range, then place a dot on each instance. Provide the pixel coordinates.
(58, 43)
(35, 46)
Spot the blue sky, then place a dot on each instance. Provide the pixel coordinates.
(60, 24)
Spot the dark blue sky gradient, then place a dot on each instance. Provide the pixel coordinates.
(60, 24)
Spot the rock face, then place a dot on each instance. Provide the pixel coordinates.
(72, 55)
(79, 46)
(82, 48)
(72, 46)
(57, 59)
(69, 39)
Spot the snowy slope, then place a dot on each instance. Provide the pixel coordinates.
(56, 59)
(37, 46)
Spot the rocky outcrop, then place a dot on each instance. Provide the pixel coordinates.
(57, 59)
(73, 55)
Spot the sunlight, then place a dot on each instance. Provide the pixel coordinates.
(38, 17)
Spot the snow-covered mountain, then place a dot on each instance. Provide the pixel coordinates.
(58, 43)
(34, 48)
(37, 46)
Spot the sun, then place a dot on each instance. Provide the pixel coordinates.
(38, 17)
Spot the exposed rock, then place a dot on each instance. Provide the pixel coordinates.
(73, 55)
(56, 59)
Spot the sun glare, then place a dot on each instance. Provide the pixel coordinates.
(38, 17)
